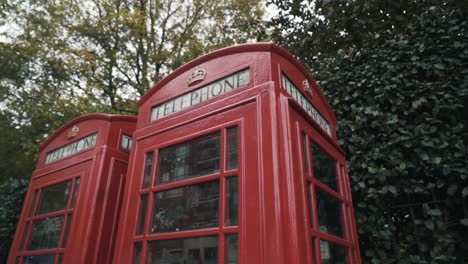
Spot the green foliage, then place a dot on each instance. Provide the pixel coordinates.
(12, 192)
(396, 74)
(400, 102)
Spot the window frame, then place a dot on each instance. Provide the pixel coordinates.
(309, 194)
(223, 175)
(67, 213)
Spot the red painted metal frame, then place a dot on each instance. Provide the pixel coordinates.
(94, 216)
(274, 223)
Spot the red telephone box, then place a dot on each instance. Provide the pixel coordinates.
(235, 160)
(70, 213)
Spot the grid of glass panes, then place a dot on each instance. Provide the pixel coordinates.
(48, 223)
(326, 203)
(190, 189)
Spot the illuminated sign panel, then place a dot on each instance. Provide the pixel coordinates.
(72, 148)
(217, 88)
(306, 105)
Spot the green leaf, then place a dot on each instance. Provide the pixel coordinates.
(439, 66)
(464, 221)
(429, 224)
(452, 189)
(434, 212)
(465, 192)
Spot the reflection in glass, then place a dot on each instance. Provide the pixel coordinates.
(324, 166)
(67, 229)
(332, 253)
(186, 208)
(137, 253)
(54, 198)
(142, 215)
(304, 154)
(46, 233)
(39, 259)
(190, 159)
(232, 249)
(201, 250)
(232, 201)
(329, 213)
(232, 156)
(75, 192)
(148, 170)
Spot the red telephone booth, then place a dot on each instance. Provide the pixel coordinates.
(70, 213)
(235, 160)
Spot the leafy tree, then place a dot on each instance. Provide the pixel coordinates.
(61, 59)
(399, 89)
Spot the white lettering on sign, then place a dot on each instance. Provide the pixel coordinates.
(72, 148)
(217, 88)
(306, 105)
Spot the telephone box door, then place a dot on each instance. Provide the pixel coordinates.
(189, 192)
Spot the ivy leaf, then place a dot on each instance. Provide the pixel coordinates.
(434, 212)
(465, 192)
(464, 221)
(439, 66)
(452, 189)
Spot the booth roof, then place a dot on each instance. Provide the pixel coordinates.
(93, 116)
(253, 47)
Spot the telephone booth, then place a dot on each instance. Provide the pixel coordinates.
(70, 213)
(235, 160)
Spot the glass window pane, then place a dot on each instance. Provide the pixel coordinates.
(75, 192)
(54, 198)
(232, 149)
(33, 204)
(67, 229)
(232, 201)
(232, 249)
(39, 259)
(324, 166)
(46, 233)
(304, 154)
(186, 208)
(126, 142)
(329, 213)
(197, 157)
(142, 215)
(148, 170)
(137, 253)
(332, 253)
(200, 250)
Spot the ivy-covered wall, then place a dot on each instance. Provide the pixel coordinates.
(401, 102)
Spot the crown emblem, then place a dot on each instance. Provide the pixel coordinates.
(73, 132)
(198, 74)
(306, 86)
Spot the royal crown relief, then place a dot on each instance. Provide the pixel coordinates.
(197, 75)
(200, 95)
